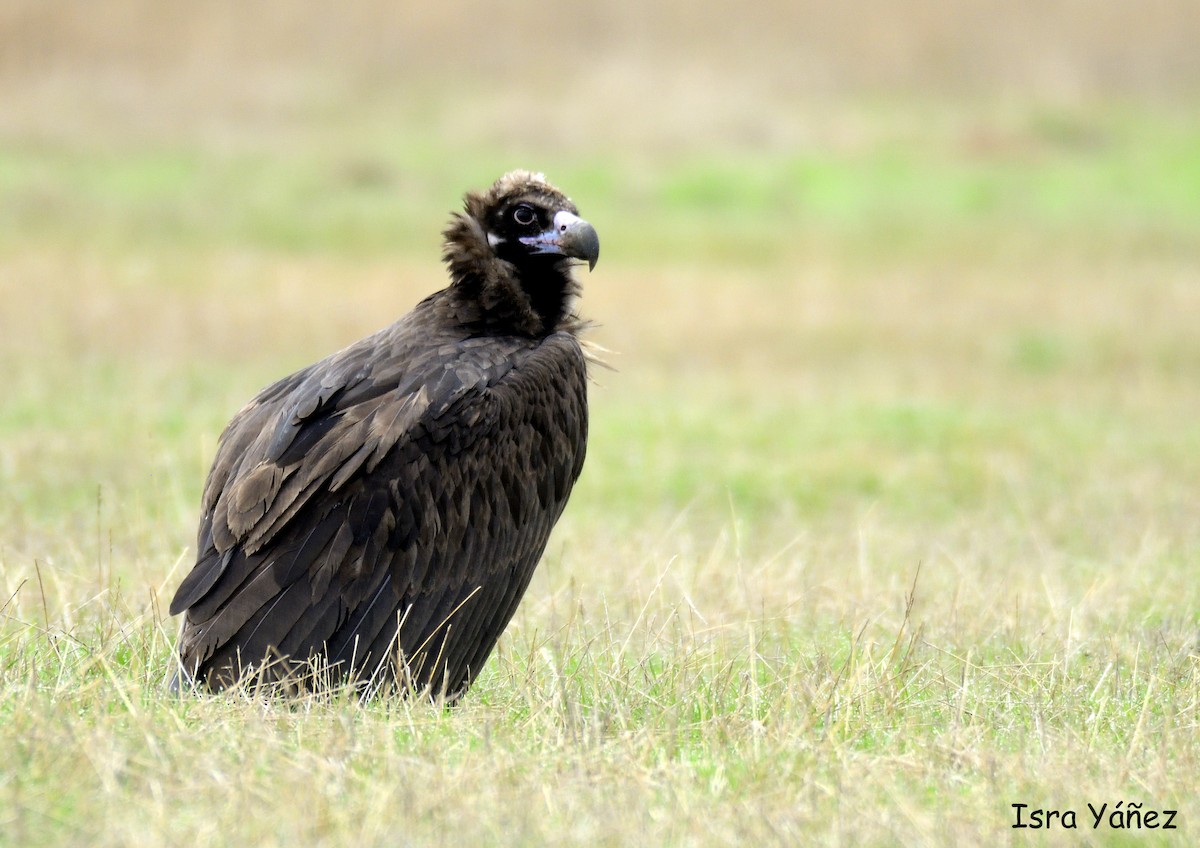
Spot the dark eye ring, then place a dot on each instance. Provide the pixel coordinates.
(524, 215)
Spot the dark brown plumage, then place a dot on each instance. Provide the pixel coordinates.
(378, 515)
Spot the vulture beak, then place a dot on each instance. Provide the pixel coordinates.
(569, 235)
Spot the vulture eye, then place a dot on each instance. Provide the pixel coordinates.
(524, 215)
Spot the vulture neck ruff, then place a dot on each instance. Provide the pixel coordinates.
(490, 294)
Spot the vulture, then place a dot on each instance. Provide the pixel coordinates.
(375, 518)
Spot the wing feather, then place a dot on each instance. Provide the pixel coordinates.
(390, 483)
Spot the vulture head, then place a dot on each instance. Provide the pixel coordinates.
(510, 254)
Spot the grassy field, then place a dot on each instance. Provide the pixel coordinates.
(890, 515)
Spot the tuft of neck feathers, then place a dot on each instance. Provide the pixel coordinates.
(491, 295)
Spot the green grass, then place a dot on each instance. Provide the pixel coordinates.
(1132, 175)
(888, 521)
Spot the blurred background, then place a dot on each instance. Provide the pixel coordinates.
(916, 277)
(665, 76)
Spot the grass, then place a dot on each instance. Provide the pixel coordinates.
(1112, 172)
(888, 521)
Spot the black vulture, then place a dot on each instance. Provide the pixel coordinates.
(376, 517)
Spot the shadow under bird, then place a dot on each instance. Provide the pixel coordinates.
(376, 517)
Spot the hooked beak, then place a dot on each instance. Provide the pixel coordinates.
(570, 236)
